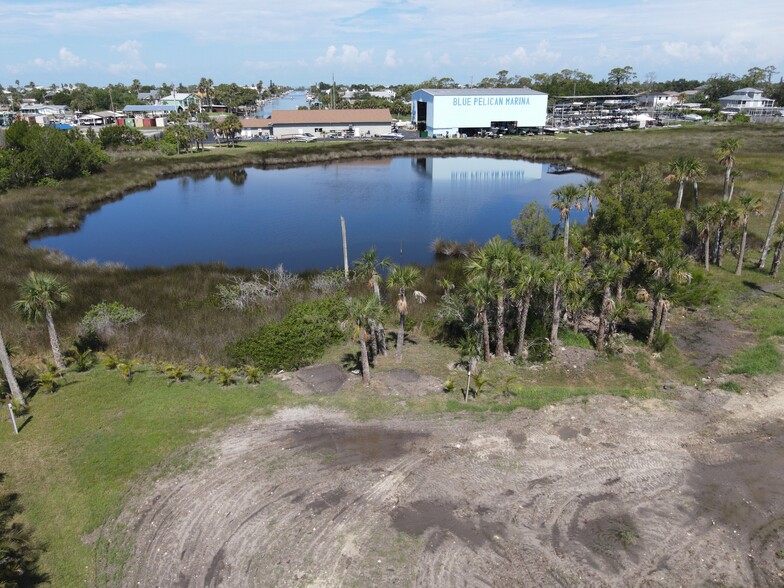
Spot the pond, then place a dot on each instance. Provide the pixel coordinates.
(265, 217)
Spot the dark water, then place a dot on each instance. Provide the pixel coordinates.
(262, 218)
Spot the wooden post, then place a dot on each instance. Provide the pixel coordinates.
(771, 229)
(345, 247)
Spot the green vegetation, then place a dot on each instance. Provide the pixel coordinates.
(299, 339)
(763, 358)
(94, 438)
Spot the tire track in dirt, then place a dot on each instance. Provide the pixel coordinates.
(607, 493)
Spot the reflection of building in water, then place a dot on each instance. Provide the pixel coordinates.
(456, 181)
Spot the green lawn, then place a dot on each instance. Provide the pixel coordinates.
(85, 445)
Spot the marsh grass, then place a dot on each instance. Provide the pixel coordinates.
(763, 358)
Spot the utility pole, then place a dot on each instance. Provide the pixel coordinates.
(345, 247)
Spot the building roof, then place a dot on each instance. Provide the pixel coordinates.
(350, 116)
(149, 108)
(481, 92)
(255, 123)
(106, 114)
(177, 96)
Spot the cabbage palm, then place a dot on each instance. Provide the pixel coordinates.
(589, 188)
(8, 370)
(403, 278)
(564, 275)
(42, 295)
(625, 250)
(565, 199)
(726, 156)
(480, 290)
(679, 172)
(705, 220)
(367, 266)
(669, 268)
(749, 205)
(498, 260)
(530, 276)
(726, 216)
(606, 274)
(362, 313)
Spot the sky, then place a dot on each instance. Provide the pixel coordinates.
(299, 43)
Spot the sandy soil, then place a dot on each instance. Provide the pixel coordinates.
(609, 492)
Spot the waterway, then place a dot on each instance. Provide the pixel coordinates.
(291, 101)
(262, 218)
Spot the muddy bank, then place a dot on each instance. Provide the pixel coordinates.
(603, 493)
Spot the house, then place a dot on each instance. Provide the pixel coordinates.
(181, 100)
(255, 127)
(659, 99)
(746, 99)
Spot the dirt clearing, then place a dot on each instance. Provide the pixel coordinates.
(606, 492)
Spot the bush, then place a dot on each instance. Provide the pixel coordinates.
(104, 318)
(697, 292)
(298, 340)
(661, 341)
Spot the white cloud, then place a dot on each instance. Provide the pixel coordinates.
(541, 55)
(65, 60)
(160, 66)
(349, 55)
(130, 53)
(391, 60)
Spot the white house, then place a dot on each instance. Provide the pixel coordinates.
(659, 99)
(181, 100)
(359, 122)
(746, 99)
(255, 127)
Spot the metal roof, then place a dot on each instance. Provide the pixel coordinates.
(481, 92)
(149, 108)
(349, 116)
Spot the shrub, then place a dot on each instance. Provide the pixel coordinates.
(105, 318)
(298, 340)
(661, 341)
(730, 386)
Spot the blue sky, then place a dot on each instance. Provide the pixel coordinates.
(379, 41)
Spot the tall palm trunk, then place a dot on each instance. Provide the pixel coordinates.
(774, 268)
(485, 336)
(681, 185)
(400, 336)
(522, 322)
(373, 338)
(606, 302)
(706, 253)
(665, 314)
(619, 290)
(13, 385)
(500, 326)
(556, 315)
(58, 356)
(566, 236)
(773, 220)
(363, 353)
(725, 195)
(742, 253)
(696, 195)
(654, 319)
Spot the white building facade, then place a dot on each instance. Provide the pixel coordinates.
(746, 99)
(473, 111)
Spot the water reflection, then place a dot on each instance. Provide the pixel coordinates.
(254, 218)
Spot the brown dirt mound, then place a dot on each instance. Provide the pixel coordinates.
(608, 493)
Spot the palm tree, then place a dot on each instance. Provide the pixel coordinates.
(403, 278)
(531, 275)
(726, 156)
(771, 229)
(733, 176)
(367, 266)
(705, 219)
(8, 370)
(497, 260)
(41, 295)
(670, 267)
(479, 291)
(588, 188)
(362, 313)
(727, 216)
(625, 250)
(564, 275)
(565, 199)
(748, 205)
(679, 169)
(779, 233)
(606, 274)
